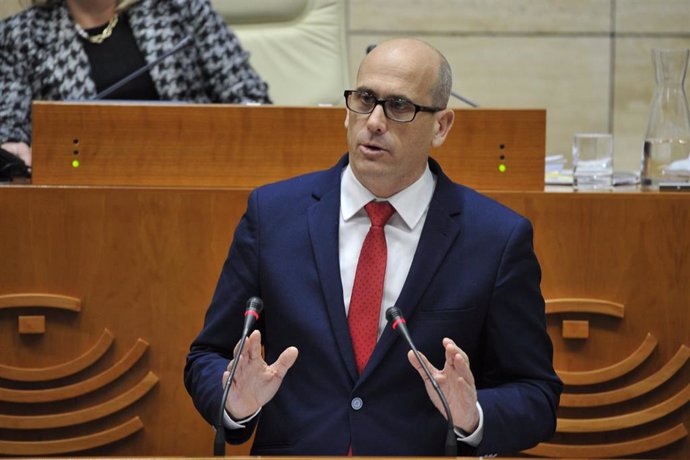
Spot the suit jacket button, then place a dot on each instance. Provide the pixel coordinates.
(357, 403)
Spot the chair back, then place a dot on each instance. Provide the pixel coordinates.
(297, 46)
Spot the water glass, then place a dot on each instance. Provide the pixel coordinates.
(593, 161)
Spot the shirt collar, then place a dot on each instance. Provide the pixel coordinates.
(410, 203)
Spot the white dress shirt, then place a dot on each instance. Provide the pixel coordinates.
(403, 231)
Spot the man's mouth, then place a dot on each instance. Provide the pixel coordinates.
(371, 149)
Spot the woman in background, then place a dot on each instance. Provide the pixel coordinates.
(74, 49)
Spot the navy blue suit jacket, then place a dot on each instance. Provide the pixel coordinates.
(474, 278)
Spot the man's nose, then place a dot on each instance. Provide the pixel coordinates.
(377, 120)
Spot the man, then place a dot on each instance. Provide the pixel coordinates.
(460, 266)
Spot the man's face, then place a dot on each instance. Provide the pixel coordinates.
(387, 156)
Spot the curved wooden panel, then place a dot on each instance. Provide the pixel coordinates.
(613, 371)
(79, 388)
(574, 305)
(43, 374)
(619, 422)
(620, 449)
(42, 300)
(633, 391)
(81, 416)
(62, 446)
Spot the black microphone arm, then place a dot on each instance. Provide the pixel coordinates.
(254, 307)
(397, 322)
(114, 87)
(464, 99)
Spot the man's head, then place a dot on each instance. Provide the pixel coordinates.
(386, 155)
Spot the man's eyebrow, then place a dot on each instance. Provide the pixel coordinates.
(365, 89)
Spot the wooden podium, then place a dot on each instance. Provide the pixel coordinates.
(125, 274)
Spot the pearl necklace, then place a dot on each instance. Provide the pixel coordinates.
(98, 39)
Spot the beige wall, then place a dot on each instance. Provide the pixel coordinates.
(8, 7)
(588, 62)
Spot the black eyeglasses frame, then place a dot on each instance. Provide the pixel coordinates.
(382, 102)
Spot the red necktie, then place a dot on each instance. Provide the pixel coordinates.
(367, 291)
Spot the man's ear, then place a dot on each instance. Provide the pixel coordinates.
(443, 123)
(347, 118)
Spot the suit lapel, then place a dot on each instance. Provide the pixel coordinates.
(441, 229)
(323, 229)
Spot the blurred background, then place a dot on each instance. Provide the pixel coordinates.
(587, 62)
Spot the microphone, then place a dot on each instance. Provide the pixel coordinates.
(114, 87)
(464, 99)
(254, 307)
(452, 93)
(395, 319)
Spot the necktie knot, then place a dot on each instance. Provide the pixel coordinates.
(379, 212)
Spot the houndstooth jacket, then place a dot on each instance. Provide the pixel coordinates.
(41, 58)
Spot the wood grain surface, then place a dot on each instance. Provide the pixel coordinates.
(228, 145)
(144, 262)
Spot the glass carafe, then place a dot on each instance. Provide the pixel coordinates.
(667, 142)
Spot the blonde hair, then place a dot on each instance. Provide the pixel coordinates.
(121, 4)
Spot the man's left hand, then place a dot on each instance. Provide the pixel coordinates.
(456, 382)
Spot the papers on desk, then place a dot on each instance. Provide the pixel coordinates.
(557, 174)
(564, 177)
(626, 178)
(679, 167)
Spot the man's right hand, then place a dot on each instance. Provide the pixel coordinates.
(19, 149)
(255, 382)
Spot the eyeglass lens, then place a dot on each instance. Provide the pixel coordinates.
(394, 108)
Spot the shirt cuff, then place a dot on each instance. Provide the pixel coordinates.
(473, 439)
(231, 424)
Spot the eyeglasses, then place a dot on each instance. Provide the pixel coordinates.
(395, 108)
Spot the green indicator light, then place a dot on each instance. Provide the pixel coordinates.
(75, 163)
(502, 168)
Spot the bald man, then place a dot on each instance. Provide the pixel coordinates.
(460, 267)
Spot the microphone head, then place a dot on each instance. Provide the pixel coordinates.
(255, 304)
(394, 314)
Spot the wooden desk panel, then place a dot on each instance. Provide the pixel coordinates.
(143, 264)
(228, 145)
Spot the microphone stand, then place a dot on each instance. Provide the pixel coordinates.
(254, 308)
(110, 89)
(219, 440)
(464, 99)
(394, 316)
